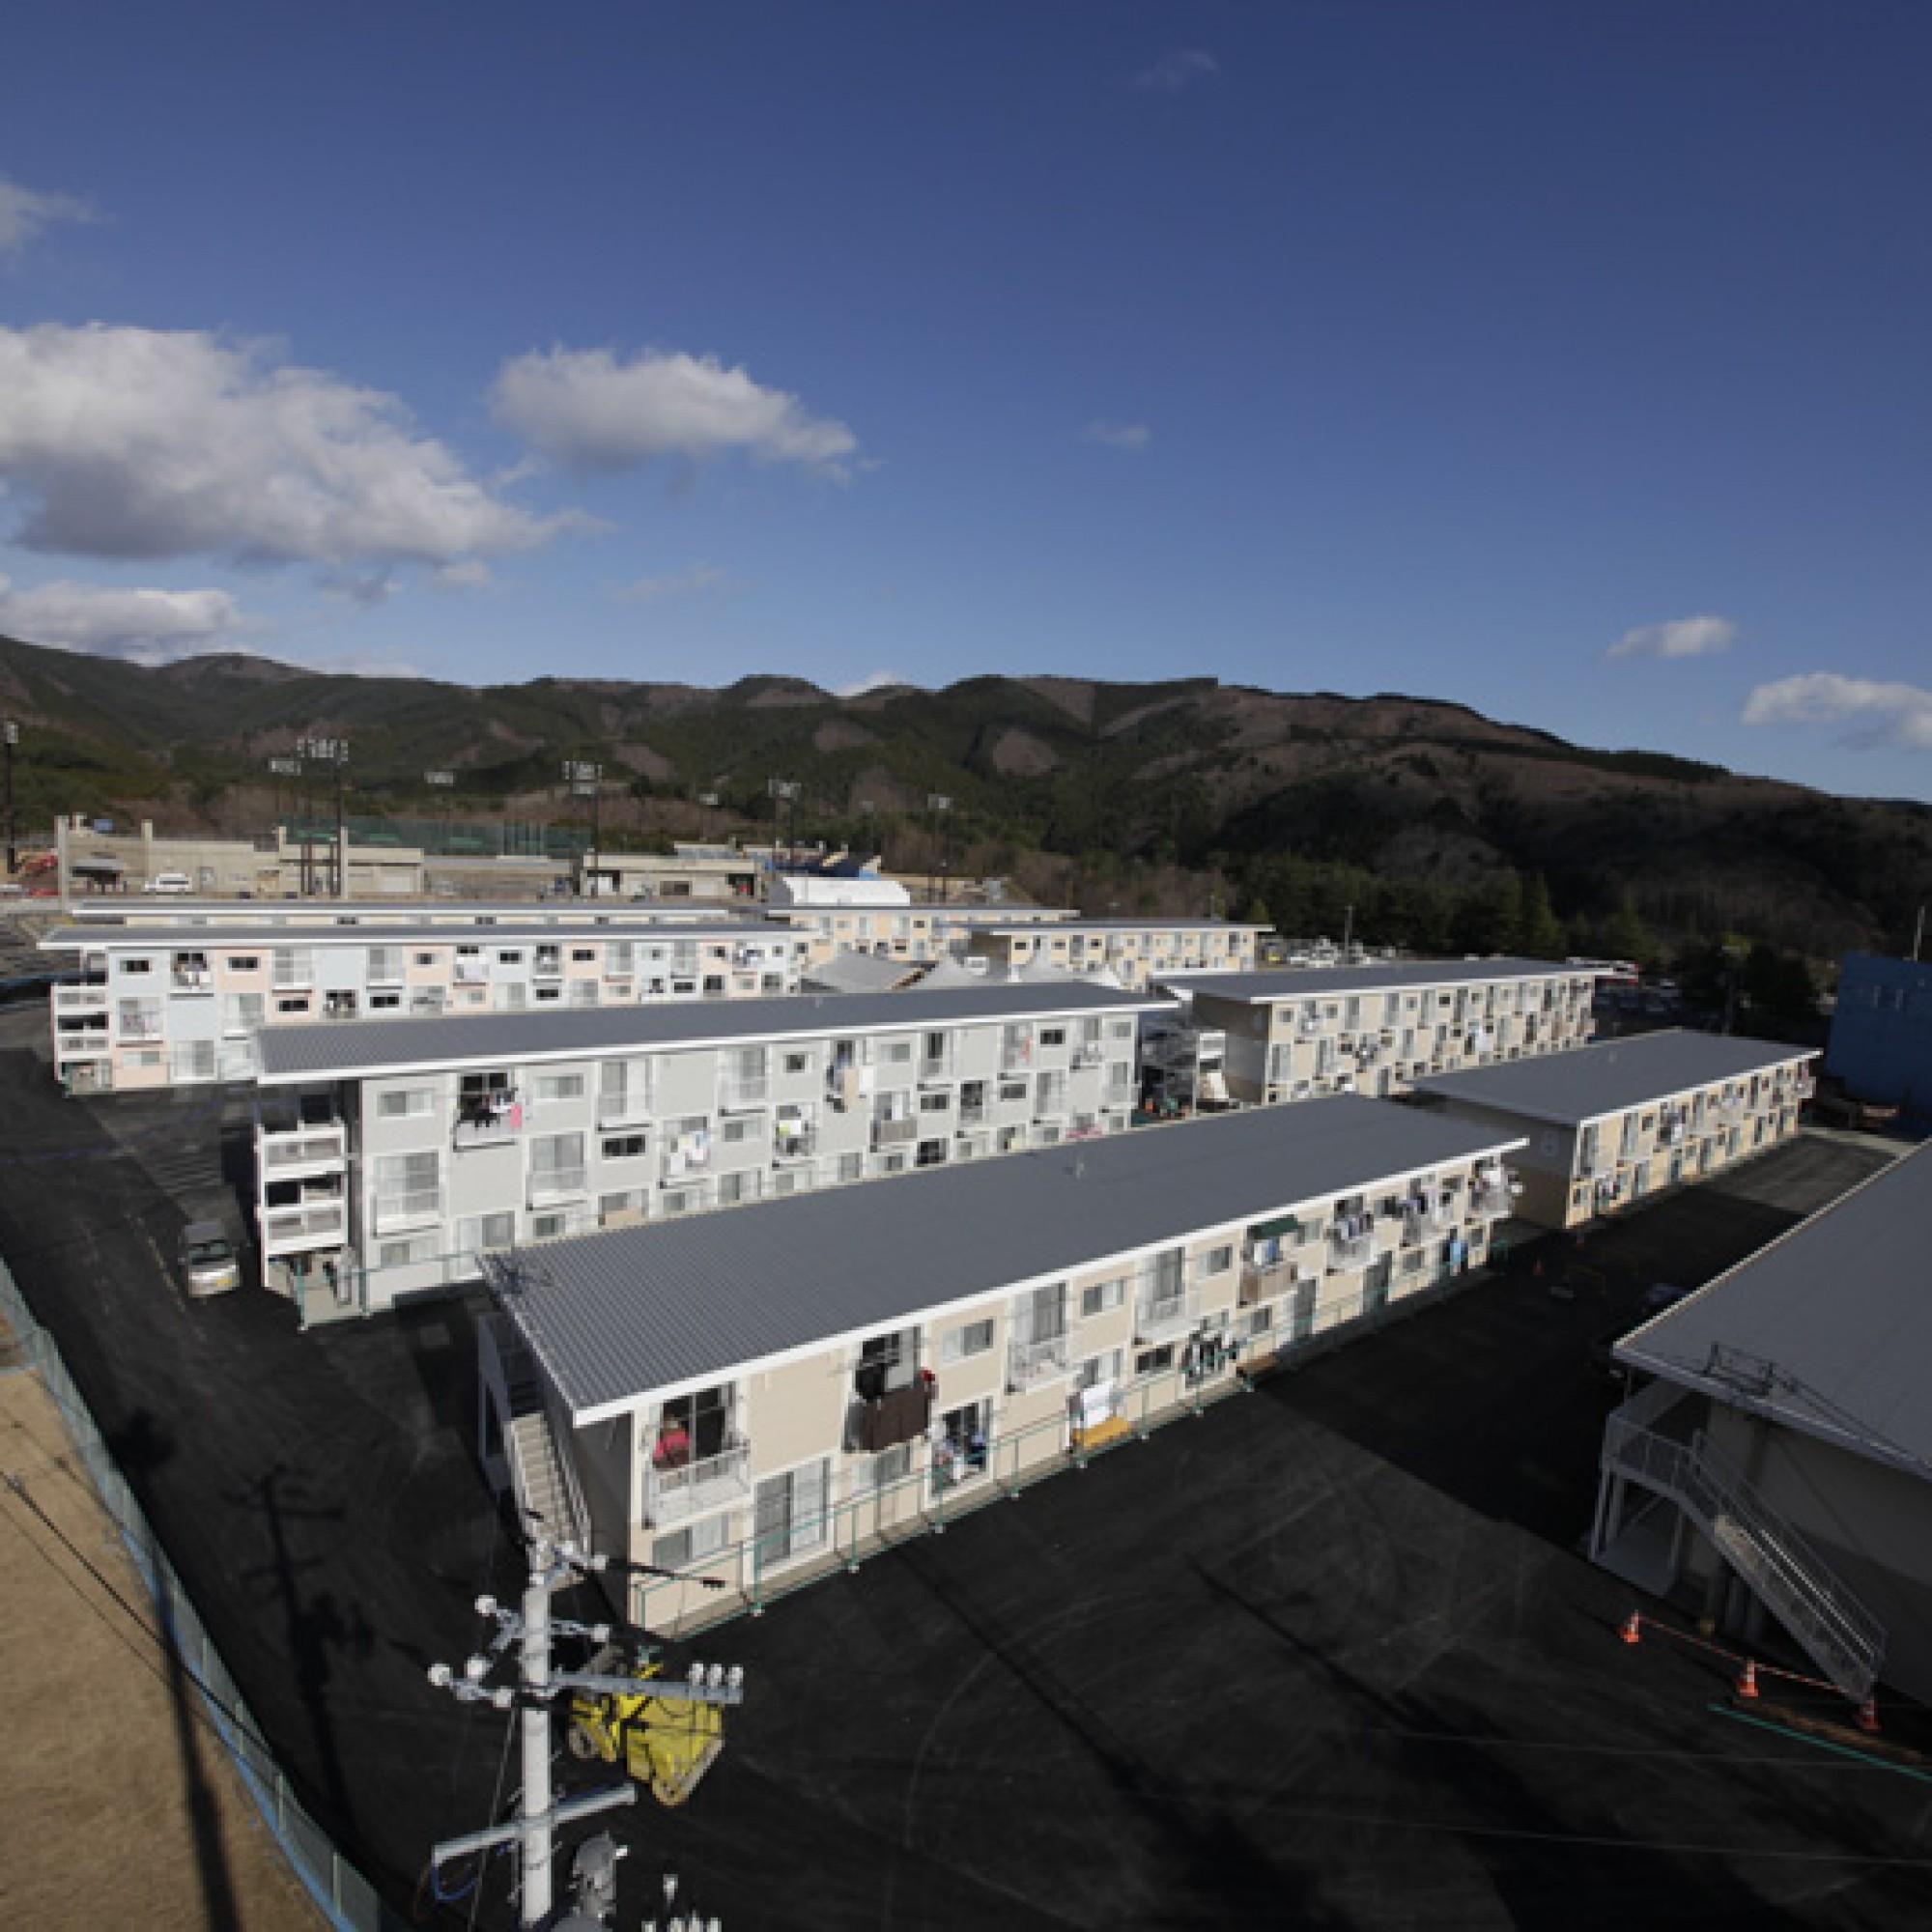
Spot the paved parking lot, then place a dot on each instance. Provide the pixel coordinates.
(1324, 1655)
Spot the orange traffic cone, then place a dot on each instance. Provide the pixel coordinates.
(1867, 1718)
(1747, 1680)
(1633, 1630)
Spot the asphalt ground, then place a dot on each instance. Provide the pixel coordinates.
(1324, 1657)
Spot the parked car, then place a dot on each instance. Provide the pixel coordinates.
(208, 1261)
(169, 882)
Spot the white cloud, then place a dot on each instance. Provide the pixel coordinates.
(150, 626)
(586, 410)
(1873, 713)
(26, 216)
(137, 443)
(1679, 637)
(692, 583)
(1118, 436)
(1172, 71)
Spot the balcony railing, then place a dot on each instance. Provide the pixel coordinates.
(412, 1210)
(1031, 1363)
(894, 1133)
(479, 1128)
(1262, 1279)
(306, 1148)
(802, 1144)
(1353, 1250)
(1492, 1199)
(1157, 1317)
(735, 1095)
(141, 1026)
(933, 1070)
(675, 1494)
(550, 1185)
(83, 999)
(192, 979)
(318, 1224)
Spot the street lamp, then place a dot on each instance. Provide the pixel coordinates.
(583, 780)
(442, 781)
(11, 734)
(329, 751)
(937, 803)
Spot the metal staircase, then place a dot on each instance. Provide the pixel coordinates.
(541, 1476)
(1795, 1583)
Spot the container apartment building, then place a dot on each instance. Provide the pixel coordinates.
(161, 1004)
(1778, 1467)
(1134, 952)
(1610, 1124)
(753, 1396)
(402, 1151)
(1297, 1035)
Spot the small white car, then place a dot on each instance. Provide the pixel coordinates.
(208, 1262)
(169, 882)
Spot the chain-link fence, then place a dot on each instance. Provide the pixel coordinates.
(346, 1898)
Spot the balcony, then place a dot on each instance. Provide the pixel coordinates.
(932, 1072)
(1259, 1280)
(1031, 1363)
(552, 1184)
(1092, 1054)
(711, 1482)
(297, 1229)
(1159, 1316)
(89, 996)
(141, 1026)
(420, 1207)
(471, 973)
(894, 1133)
(738, 1097)
(1353, 1250)
(797, 1144)
(1492, 1197)
(313, 1149)
(191, 978)
(489, 1126)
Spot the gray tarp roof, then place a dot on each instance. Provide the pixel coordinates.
(678, 1304)
(1588, 1081)
(1841, 1307)
(147, 934)
(358, 1048)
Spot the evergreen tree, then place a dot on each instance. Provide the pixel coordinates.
(1543, 934)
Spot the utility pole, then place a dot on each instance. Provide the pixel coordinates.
(325, 752)
(555, 1566)
(442, 781)
(1918, 924)
(937, 803)
(583, 780)
(280, 769)
(11, 734)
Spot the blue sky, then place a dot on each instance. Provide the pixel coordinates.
(1567, 360)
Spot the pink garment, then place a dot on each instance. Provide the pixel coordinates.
(516, 1116)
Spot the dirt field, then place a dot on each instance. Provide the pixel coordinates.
(118, 1802)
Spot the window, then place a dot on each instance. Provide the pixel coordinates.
(243, 962)
(1014, 1090)
(935, 1103)
(241, 1012)
(553, 1226)
(1053, 1036)
(742, 1130)
(583, 956)
(623, 1090)
(296, 1004)
(623, 1146)
(385, 1003)
(486, 1234)
(893, 1053)
(194, 1060)
(403, 1254)
(556, 1164)
(1216, 1260)
(408, 1185)
(509, 959)
(745, 1185)
(958, 1345)
(963, 1452)
(621, 1210)
(1102, 1296)
(137, 965)
(1096, 1369)
(1150, 1360)
(559, 1086)
(693, 1543)
(789, 1513)
(886, 1362)
(403, 1103)
(798, 1063)
(422, 959)
(850, 1167)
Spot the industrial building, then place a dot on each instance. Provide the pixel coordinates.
(758, 1396)
(389, 1156)
(1610, 1124)
(1297, 1035)
(1881, 1043)
(1780, 1464)
(160, 1004)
